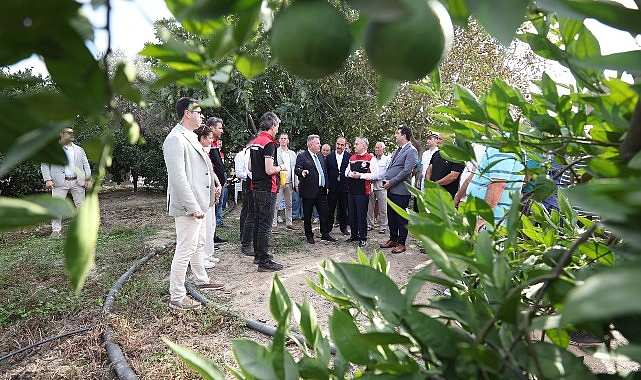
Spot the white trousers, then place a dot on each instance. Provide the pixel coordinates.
(77, 193)
(379, 196)
(190, 241)
(210, 231)
(284, 191)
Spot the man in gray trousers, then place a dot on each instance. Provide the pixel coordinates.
(398, 174)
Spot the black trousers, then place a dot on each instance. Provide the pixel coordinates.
(358, 215)
(264, 202)
(397, 224)
(337, 202)
(247, 218)
(320, 201)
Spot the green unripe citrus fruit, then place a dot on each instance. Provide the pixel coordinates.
(311, 39)
(412, 46)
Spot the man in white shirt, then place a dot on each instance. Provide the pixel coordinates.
(73, 178)
(432, 146)
(378, 193)
(287, 158)
(241, 162)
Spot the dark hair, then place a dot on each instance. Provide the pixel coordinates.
(407, 131)
(268, 120)
(213, 121)
(183, 104)
(202, 131)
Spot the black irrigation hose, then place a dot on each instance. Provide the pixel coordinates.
(23, 349)
(116, 356)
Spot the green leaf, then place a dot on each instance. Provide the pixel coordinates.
(433, 335)
(205, 10)
(50, 106)
(221, 43)
(246, 23)
(250, 66)
(312, 368)
(343, 331)
(543, 188)
(373, 289)
(469, 104)
(123, 82)
(80, 244)
(199, 363)
(254, 359)
(309, 325)
(386, 91)
(604, 296)
(29, 211)
(554, 362)
(585, 45)
(501, 25)
(610, 13)
(629, 61)
(382, 338)
(280, 305)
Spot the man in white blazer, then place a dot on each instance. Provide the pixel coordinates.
(190, 192)
(73, 178)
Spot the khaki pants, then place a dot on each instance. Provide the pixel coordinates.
(284, 191)
(77, 193)
(379, 196)
(190, 241)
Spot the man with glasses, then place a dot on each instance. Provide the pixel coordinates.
(190, 192)
(72, 178)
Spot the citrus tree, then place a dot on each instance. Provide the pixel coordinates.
(515, 292)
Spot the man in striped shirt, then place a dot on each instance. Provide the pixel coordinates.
(497, 176)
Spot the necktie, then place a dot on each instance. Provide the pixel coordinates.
(395, 154)
(320, 170)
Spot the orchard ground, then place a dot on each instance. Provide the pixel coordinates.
(140, 316)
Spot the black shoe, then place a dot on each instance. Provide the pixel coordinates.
(361, 243)
(328, 238)
(269, 266)
(218, 239)
(217, 245)
(269, 257)
(247, 251)
(351, 239)
(584, 339)
(310, 240)
(345, 232)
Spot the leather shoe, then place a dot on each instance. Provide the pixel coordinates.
(361, 243)
(399, 249)
(290, 227)
(389, 244)
(351, 239)
(310, 240)
(345, 232)
(218, 239)
(328, 238)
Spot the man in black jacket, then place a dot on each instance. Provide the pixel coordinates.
(312, 189)
(337, 184)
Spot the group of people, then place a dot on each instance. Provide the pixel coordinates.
(346, 189)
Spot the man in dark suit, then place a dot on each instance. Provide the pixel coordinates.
(312, 189)
(397, 175)
(337, 162)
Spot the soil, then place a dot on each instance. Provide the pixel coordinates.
(246, 292)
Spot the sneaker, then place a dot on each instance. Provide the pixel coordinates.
(381, 231)
(345, 232)
(55, 234)
(211, 286)
(209, 264)
(186, 304)
(279, 219)
(362, 243)
(584, 339)
(290, 227)
(269, 257)
(218, 239)
(328, 238)
(310, 240)
(214, 259)
(269, 266)
(275, 230)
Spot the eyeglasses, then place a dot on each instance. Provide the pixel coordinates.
(198, 112)
(68, 132)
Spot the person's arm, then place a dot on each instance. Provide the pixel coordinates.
(239, 166)
(462, 190)
(45, 170)
(492, 197)
(299, 169)
(449, 178)
(373, 172)
(428, 172)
